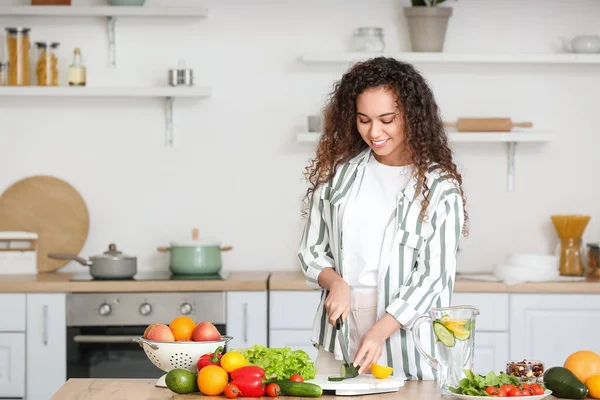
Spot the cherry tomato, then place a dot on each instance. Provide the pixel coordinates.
(231, 391)
(296, 378)
(503, 391)
(273, 390)
(537, 389)
(526, 392)
(491, 390)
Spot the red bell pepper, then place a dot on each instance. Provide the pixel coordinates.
(210, 359)
(249, 381)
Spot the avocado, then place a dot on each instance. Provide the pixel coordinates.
(564, 383)
(181, 381)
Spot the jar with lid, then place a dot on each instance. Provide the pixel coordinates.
(369, 40)
(18, 46)
(46, 69)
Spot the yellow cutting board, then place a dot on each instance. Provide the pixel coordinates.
(51, 208)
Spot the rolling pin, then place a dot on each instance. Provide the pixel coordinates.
(486, 124)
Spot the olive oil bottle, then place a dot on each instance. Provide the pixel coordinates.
(77, 71)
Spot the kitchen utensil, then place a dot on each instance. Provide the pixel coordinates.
(126, 2)
(453, 328)
(486, 124)
(339, 324)
(360, 385)
(570, 230)
(582, 44)
(171, 355)
(513, 274)
(536, 262)
(51, 208)
(50, 2)
(18, 252)
(196, 257)
(112, 264)
(181, 76)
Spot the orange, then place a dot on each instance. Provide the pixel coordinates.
(583, 364)
(233, 360)
(212, 380)
(182, 328)
(593, 385)
(381, 371)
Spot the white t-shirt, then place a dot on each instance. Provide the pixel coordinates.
(367, 215)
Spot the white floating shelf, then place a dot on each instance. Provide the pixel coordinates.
(432, 58)
(469, 137)
(124, 91)
(102, 11)
(509, 138)
(111, 13)
(168, 93)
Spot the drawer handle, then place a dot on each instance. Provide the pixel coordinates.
(245, 318)
(45, 330)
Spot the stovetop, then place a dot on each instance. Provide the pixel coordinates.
(157, 276)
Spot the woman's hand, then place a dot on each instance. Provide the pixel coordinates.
(369, 350)
(337, 302)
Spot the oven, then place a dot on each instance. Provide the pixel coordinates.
(101, 328)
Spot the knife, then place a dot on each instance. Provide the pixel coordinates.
(351, 371)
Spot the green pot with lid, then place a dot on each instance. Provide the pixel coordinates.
(195, 257)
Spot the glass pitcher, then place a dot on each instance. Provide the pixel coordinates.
(454, 333)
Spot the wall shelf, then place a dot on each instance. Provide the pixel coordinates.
(439, 58)
(511, 139)
(111, 13)
(168, 93)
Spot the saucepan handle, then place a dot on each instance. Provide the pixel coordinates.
(64, 256)
(417, 339)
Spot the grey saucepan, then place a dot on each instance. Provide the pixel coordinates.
(112, 264)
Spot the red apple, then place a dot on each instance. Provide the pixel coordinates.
(148, 329)
(161, 333)
(205, 332)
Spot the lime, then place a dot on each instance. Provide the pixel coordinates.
(443, 334)
(181, 381)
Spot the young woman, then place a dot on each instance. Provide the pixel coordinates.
(385, 213)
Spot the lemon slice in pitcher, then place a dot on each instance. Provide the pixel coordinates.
(459, 331)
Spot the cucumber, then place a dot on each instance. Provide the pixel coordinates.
(564, 383)
(299, 389)
(443, 334)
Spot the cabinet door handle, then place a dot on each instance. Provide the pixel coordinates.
(245, 319)
(45, 330)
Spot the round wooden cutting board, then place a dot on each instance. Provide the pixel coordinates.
(51, 208)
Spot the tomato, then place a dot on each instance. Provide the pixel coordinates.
(525, 392)
(273, 390)
(537, 390)
(491, 390)
(232, 391)
(296, 378)
(503, 391)
(525, 386)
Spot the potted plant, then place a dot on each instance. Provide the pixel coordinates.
(427, 24)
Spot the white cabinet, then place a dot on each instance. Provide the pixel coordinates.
(291, 316)
(246, 319)
(12, 365)
(46, 359)
(549, 327)
(491, 352)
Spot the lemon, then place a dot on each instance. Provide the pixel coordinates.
(381, 371)
(456, 321)
(233, 360)
(459, 331)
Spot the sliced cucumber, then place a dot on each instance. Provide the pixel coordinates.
(443, 334)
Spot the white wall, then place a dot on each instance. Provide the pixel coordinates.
(236, 170)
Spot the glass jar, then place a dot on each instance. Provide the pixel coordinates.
(46, 68)
(3, 73)
(18, 45)
(369, 40)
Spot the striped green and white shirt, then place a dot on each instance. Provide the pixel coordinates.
(422, 267)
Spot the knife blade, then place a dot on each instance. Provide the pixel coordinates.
(342, 339)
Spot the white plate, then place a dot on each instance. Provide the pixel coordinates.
(547, 393)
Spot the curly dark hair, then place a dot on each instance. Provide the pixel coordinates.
(425, 133)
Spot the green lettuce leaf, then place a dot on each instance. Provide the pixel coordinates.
(280, 363)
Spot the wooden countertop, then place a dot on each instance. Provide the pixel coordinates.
(144, 389)
(60, 283)
(294, 280)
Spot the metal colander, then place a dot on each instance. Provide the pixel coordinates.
(171, 355)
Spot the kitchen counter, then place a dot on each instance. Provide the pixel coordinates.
(60, 283)
(144, 389)
(294, 280)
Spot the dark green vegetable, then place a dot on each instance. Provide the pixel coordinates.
(299, 389)
(564, 383)
(346, 372)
